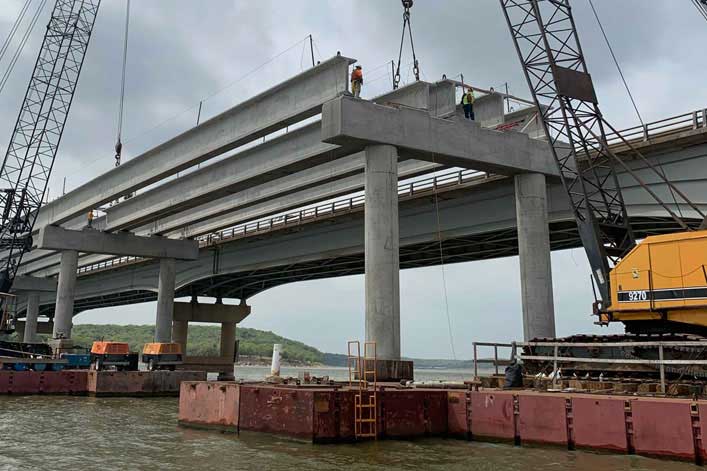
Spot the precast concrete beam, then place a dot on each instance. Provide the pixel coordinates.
(417, 135)
(211, 313)
(443, 99)
(92, 241)
(295, 151)
(293, 100)
(438, 99)
(257, 202)
(34, 284)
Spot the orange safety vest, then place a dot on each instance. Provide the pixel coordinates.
(357, 75)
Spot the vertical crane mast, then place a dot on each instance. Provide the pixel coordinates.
(546, 40)
(27, 165)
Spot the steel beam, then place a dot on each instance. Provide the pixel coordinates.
(289, 102)
(356, 123)
(92, 241)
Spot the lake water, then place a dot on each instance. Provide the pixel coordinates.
(81, 433)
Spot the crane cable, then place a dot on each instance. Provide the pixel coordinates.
(630, 95)
(119, 144)
(13, 30)
(21, 46)
(407, 4)
(701, 6)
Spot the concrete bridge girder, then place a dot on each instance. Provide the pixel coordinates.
(483, 208)
(289, 102)
(184, 195)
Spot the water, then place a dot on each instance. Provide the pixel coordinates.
(81, 433)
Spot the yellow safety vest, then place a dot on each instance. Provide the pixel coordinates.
(468, 99)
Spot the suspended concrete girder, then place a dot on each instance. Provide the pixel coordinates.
(356, 123)
(289, 102)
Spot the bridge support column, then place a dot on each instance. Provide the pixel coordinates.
(534, 252)
(228, 348)
(30, 330)
(165, 300)
(180, 333)
(382, 242)
(64, 308)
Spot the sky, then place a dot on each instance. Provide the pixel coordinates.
(220, 52)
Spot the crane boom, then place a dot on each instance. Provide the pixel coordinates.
(546, 40)
(34, 142)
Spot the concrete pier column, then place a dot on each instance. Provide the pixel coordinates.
(165, 300)
(228, 339)
(534, 252)
(180, 333)
(382, 255)
(228, 347)
(64, 308)
(30, 331)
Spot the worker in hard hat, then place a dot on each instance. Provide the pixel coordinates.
(468, 103)
(357, 81)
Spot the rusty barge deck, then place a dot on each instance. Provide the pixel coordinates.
(650, 426)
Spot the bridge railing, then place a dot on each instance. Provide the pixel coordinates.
(664, 127)
(339, 206)
(413, 188)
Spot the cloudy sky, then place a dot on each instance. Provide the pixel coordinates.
(220, 52)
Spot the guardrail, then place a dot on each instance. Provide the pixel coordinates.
(664, 127)
(336, 207)
(495, 360)
(661, 362)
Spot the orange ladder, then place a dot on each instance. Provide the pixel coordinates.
(363, 369)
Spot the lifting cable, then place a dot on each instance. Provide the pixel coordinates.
(21, 46)
(119, 144)
(13, 30)
(616, 61)
(407, 4)
(701, 6)
(630, 95)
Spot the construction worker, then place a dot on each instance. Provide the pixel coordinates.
(468, 103)
(357, 81)
(90, 218)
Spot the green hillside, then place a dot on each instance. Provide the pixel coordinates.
(205, 340)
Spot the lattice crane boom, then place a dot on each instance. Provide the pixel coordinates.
(30, 156)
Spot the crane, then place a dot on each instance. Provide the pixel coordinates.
(35, 139)
(639, 284)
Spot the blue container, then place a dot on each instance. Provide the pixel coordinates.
(39, 366)
(77, 360)
(20, 367)
(57, 366)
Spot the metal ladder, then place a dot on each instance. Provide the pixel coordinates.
(362, 370)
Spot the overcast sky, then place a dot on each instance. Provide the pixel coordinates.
(182, 52)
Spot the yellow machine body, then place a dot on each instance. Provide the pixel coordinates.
(664, 278)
